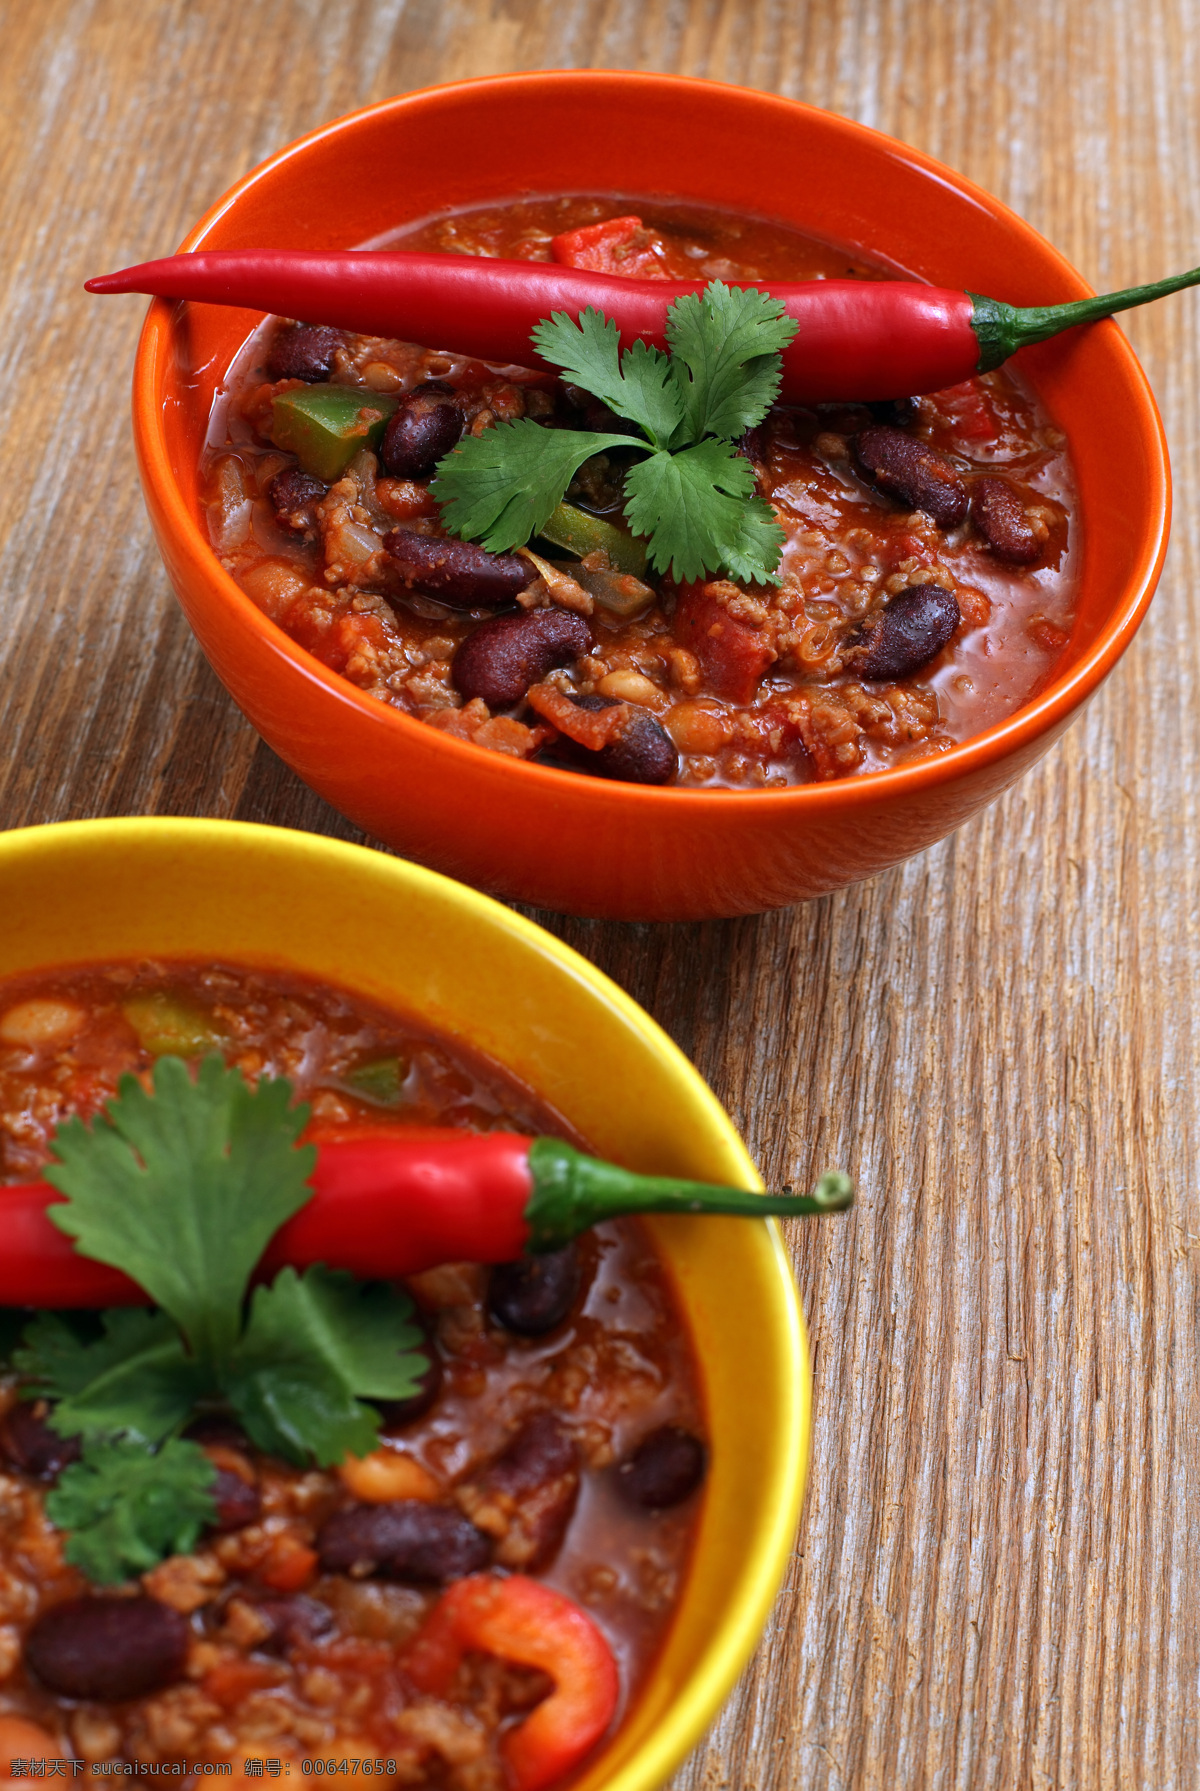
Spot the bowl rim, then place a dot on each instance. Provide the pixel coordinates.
(1040, 715)
(730, 1646)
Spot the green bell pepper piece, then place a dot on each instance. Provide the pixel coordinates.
(326, 426)
(166, 1023)
(381, 1081)
(582, 534)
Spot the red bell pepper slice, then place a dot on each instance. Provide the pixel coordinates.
(521, 1620)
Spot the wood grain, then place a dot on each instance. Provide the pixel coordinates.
(996, 1580)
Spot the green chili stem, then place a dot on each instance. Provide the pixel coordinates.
(1001, 329)
(572, 1192)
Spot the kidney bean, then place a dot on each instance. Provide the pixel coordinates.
(108, 1648)
(408, 1540)
(458, 573)
(305, 351)
(899, 639)
(540, 1451)
(755, 444)
(592, 413)
(666, 1467)
(238, 1501)
(501, 658)
(529, 1492)
(920, 476)
(534, 1294)
(424, 426)
(642, 753)
(398, 1412)
(295, 496)
(897, 411)
(217, 1428)
(30, 1444)
(1000, 518)
(294, 1621)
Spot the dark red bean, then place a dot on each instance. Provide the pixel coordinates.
(501, 658)
(30, 1444)
(458, 573)
(217, 1428)
(295, 1621)
(536, 1483)
(108, 1648)
(424, 426)
(1000, 518)
(238, 1501)
(406, 1540)
(897, 411)
(920, 476)
(666, 1467)
(642, 753)
(398, 1412)
(305, 351)
(295, 496)
(591, 413)
(534, 1294)
(542, 1450)
(756, 444)
(899, 639)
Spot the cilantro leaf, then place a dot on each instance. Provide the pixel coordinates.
(700, 514)
(498, 488)
(312, 1343)
(136, 1380)
(183, 1189)
(298, 1410)
(725, 357)
(124, 1509)
(638, 384)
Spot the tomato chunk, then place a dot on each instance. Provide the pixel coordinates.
(733, 655)
(619, 246)
(288, 1564)
(522, 1620)
(230, 1681)
(969, 407)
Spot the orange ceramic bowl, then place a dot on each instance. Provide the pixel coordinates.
(551, 837)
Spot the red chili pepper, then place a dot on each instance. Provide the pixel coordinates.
(392, 1201)
(524, 1621)
(857, 339)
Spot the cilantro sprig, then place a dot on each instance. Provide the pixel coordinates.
(125, 1509)
(693, 495)
(182, 1188)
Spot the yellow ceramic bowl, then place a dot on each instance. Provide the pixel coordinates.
(93, 890)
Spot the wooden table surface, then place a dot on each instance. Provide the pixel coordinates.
(996, 1579)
